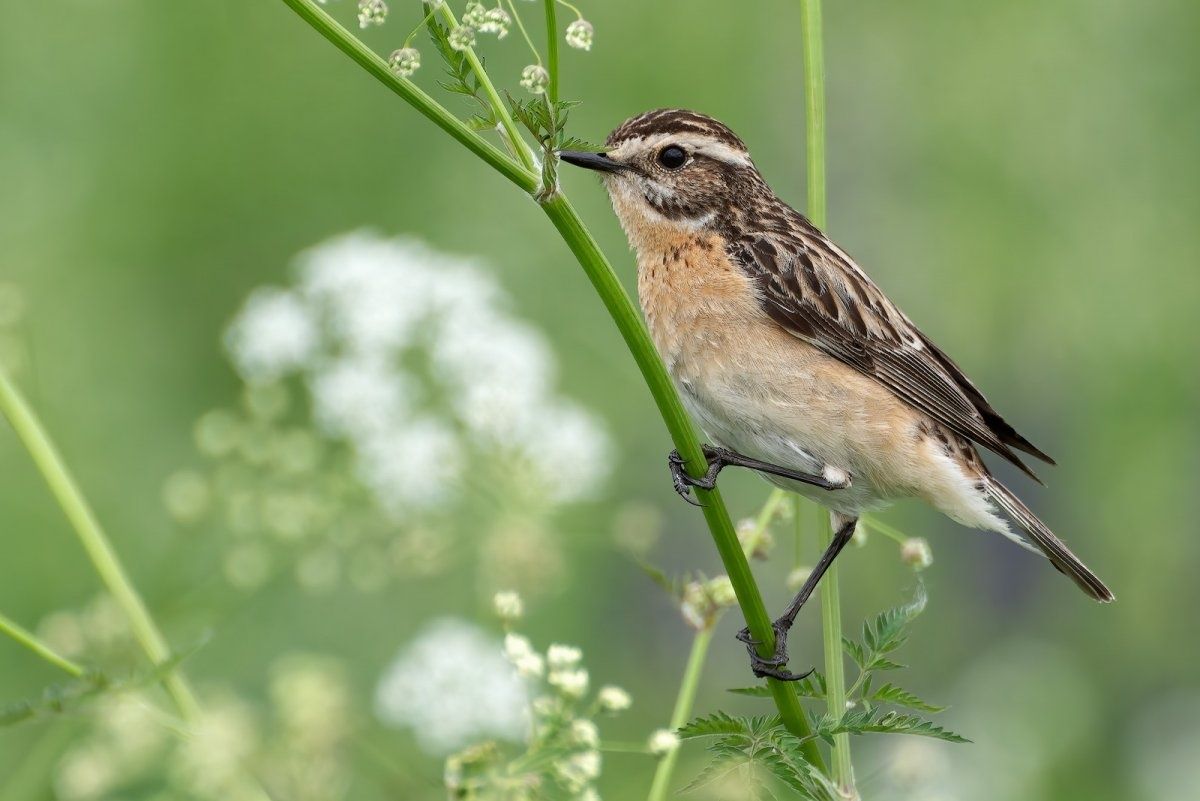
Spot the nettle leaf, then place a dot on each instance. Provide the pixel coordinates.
(891, 694)
(714, 771)
(717, 723)
(575, 143)
(873, 721)
(889, 630)
(811, 686)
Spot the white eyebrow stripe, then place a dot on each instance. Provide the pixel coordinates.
(691, 142)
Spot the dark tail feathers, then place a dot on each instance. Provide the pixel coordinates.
(1055, 549)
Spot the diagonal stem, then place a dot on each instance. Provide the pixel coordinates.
(27, 638)
(104, 558)
(625, 316)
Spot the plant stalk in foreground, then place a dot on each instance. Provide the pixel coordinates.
(684, 702)
(94, 541)
(628, 322)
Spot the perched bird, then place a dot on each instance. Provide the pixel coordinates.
(791, 359)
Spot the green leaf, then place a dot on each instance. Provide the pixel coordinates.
(811, 686)
(891, 694)
(872, 721)
(758, 691)
(713, 771)
(575, 143)
(715, 724)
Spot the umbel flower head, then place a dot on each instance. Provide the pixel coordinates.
(405, 61)
(535, 78)
(462, 38)
(580, 34)
(371, 12)
(496, 21)
(474, 16)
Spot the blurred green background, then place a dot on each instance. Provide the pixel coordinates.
(1021, 177)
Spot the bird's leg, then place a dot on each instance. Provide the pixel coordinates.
(720, 458)
(773, 665)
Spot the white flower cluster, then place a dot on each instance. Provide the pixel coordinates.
(373, 384)
(562, 738)
(297, 748)
(405, 61)
(450, 686)
(364, 309)
(371, 12)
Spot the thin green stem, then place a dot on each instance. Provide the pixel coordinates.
(552, 50)
(511, 132)
(798, 522)
(521, 174)
(566, 220)
(94, 541)
(835, 675)
(31, 641)
(885, 529)
(814, 108)
(516, 15)
(765, 515)
(684, 702)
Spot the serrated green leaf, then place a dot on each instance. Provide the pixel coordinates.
(891, 694)
(713, 771)
(717, 723)
(758, 691)
(872, 721)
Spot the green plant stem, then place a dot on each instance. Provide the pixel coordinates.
(520, 174)
(814, 108)
(885, 529)
(763, 520)
(511, 132)
(684, 703)
(552, 50)
(628, 322)
(94, 541)
(831, 612)
(30, 640)
(637, 338)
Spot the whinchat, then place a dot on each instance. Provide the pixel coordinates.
(791, 359)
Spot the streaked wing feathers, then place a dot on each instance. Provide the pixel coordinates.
(812, 289)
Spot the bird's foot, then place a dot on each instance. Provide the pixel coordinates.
(831, 478)
(773, 666)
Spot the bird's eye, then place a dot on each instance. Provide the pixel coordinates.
(672, 157)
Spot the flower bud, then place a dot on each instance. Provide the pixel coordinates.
(662, 742)
(371, 12)
(462, 38)
(535, 78)
(916, 553)
(508, 606)
(613, 699)
(405, 61)
(580, 34)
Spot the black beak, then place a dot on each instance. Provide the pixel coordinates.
(600, 162)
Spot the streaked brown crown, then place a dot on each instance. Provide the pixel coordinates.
(674, 121)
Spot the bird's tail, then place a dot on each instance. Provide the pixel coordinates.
(1055, 549)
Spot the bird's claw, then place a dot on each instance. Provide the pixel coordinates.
(683, 483)
(771, 666)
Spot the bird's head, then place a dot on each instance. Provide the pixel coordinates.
(671, 168)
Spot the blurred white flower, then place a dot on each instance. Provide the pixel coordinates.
(462, 37)
(614, 699)
(496, 21)
(585, 733)
(211, 760)
(662, 742)
(452, 686)
(916, 553)
(508, 606)
(273, 334)
(571, 683)
(474, 14)
(561, 657)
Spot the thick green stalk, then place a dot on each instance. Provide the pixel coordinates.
(94, 541)
(30, 640)
(628, 322)
(522, 175)
(552, 50)
(831, 613)
(684, 702)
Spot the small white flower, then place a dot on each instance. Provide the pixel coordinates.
(563, 657)
(508, 606)
(496, 21)
(516, 646)
(720, 590)
(588, 794)
(405, 61)
(371, 12)
(796, 577)
(585, 733)
(535, 79)
(662, 742)
(580, 34)
(186, 495)
(579, 769)
(475, 15)
(530, 666)
(916, 553)
(462, 38)
(571, 683)
(613, 699)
